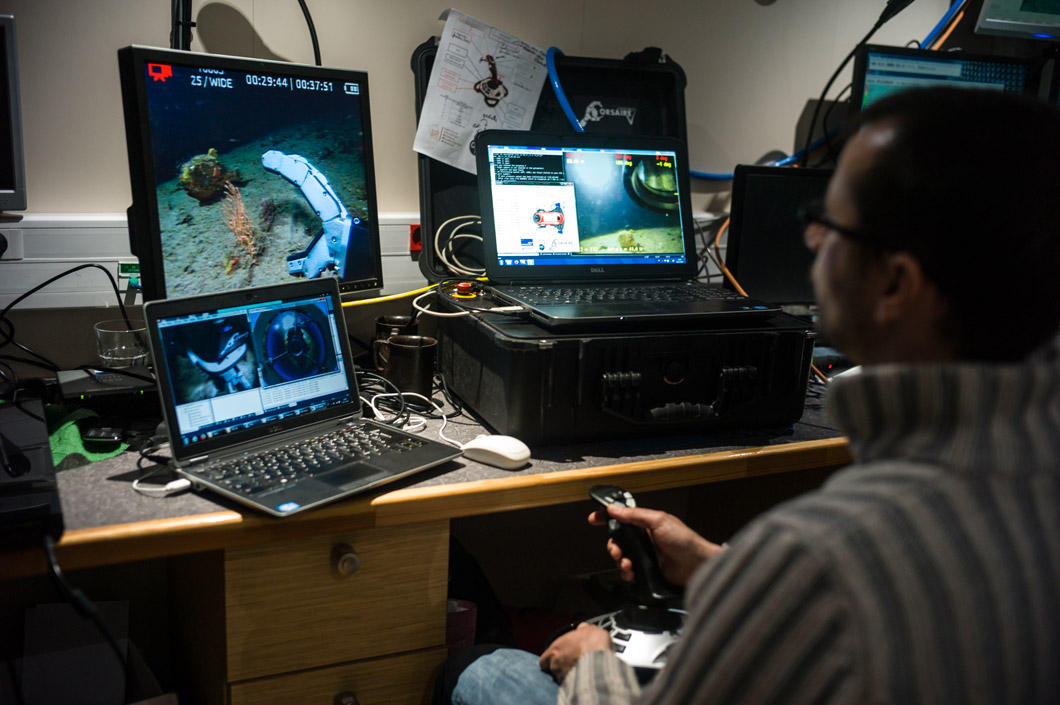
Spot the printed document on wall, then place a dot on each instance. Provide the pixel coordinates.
(482, 79)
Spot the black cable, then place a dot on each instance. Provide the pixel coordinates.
(893, 8)
(51, 367)
(116, 371)
(10, 332)
(449, 398)
(9, 339)
(81, 603)
(402, 414)
(830, 154)
(148, 453)
(16, 683)
(312, 31)
(34, 290)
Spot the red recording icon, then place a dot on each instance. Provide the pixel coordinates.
(159, 72)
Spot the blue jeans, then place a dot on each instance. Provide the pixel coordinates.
(505, 677)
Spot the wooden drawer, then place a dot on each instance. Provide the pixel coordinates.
(394, 680)
(288, 609)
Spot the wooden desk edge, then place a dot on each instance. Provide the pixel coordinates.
(96, 546)
(526, 491)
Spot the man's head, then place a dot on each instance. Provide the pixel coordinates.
(947, 204)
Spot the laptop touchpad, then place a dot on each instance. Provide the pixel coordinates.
(356, 474)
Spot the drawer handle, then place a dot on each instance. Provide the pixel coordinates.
(346, 698)
(347, 562)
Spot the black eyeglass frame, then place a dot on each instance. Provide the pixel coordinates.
(812, 213)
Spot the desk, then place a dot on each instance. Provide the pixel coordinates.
(269, 618)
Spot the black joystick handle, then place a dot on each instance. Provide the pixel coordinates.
(649, 586)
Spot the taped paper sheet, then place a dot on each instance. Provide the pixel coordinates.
(482, 79)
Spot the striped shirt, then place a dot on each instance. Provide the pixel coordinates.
(927, 572)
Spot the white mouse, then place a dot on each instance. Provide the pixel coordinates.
(502, 451)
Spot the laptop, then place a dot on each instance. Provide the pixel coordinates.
(260, 398)
(588, 229)
(766, 252)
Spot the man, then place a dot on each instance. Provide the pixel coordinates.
(928, 571)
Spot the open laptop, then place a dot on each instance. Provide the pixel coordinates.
(766, 252)
(259, 394)
(588, 229)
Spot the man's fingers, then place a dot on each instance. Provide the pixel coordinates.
(637, 516)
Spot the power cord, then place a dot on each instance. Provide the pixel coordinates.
(81, 603)
(892, 8)
(7, 328)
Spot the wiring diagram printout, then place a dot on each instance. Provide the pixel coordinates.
(482, 79)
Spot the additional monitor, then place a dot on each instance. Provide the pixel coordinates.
(247, 172)
(766, 252)
(12, 165)
(1039, 19)
(881, 70)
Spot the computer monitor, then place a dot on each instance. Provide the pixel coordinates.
(766, 252)
(12, 164)
(247, 172)
(1038, 19)
(881, 70)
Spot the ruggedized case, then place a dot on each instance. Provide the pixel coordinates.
(528, 382)
(642, 94)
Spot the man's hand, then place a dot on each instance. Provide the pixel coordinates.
(564, 652)
(680, 550)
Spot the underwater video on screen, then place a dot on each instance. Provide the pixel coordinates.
(565, 206)
(240, 368)
(258, 177)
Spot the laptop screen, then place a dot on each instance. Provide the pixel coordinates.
(583, 204)
(233, 368)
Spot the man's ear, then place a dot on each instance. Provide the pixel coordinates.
(903, 289)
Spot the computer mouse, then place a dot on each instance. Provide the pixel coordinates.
(502, 451)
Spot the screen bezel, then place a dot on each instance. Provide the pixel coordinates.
(736, 235)
(1028, 28)
(14, 198)
(145, 237)
(169, 308)
(501, 274)
(861, 65)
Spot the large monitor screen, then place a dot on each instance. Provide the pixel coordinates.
(882, 70)
(12, 168)
(1039, 19)
(247, 172)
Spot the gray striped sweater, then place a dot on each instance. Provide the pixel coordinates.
(927, 572)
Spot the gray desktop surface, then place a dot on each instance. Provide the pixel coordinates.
(101, 494)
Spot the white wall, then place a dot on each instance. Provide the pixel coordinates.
(750, 70)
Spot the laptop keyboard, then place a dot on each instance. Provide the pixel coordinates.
(259, 472)
(552, 295)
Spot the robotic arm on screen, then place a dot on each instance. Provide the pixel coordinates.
(328, 248)
(224, 370)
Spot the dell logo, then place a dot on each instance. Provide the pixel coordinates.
(596, 270)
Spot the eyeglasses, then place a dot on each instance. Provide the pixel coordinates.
(812, 213)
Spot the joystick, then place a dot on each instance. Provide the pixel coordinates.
(644, 629)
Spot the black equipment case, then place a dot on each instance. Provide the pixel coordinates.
(642, 94)
(528, 382)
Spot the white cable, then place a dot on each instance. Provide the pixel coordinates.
(437, 240)
(452, 260)
(170, 488)
(416, 305)
(437, 408)
(415, 424)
